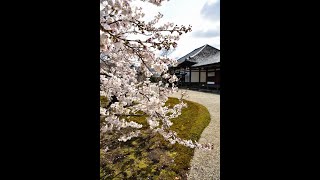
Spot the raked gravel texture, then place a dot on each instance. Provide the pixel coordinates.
(206, 164)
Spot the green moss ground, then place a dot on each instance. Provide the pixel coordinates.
(150, 156)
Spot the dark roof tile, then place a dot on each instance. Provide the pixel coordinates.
(203, 55)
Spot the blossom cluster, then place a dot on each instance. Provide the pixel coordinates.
(128, 60)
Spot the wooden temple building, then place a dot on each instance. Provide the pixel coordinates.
(199, 69)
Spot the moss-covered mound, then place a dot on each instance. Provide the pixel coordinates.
(150, 156)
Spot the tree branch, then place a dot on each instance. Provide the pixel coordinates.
(138, 115)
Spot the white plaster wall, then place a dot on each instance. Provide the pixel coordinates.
(186, 77)
(195, 76)
(203, 77)
(211, 74)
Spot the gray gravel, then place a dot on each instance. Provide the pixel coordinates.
(206, 164)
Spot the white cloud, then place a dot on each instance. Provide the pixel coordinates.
(212, 1)
(211, 11)
(186, 13)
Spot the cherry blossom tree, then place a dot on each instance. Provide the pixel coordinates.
(127, 47)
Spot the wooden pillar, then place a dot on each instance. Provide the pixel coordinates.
(189, 76)
(215, 79)
(199, 77)
(207, 77)
(183, 78)
(215, 76)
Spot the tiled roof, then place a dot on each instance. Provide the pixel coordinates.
(209, 60)
(203, 55)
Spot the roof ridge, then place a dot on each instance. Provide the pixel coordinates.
(199, 51)
(185, 57)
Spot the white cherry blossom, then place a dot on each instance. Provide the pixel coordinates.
(127, 46)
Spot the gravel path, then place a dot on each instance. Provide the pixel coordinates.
(205, 165)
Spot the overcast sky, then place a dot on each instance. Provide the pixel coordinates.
(202, 15)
